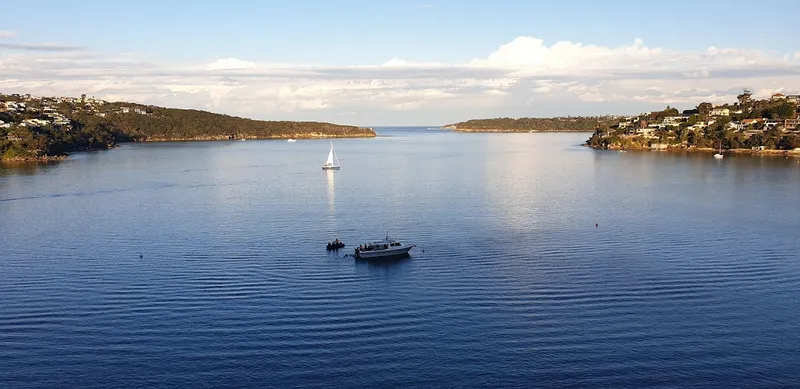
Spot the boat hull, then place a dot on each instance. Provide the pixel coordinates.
(388, 253)
(330, 168)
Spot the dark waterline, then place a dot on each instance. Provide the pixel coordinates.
(545, 264)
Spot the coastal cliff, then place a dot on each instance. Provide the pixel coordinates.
(48, 128)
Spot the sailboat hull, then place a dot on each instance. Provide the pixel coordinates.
(330, 168)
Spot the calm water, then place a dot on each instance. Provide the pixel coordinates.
(691, 277)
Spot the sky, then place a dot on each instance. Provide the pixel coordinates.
(379, 63)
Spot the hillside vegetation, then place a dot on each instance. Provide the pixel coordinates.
(558, 124)
(47, 128)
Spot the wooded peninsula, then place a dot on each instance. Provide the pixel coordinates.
(557, 124)
(48, 128)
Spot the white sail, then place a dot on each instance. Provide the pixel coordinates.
(333, 160)
(330, 158)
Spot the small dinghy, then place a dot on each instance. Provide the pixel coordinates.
(335, 245)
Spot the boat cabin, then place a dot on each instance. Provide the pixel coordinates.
(382, 245)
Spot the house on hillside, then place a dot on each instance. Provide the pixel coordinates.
(674, 120)
(778, 96)
(720, 112)
(793, 99)
(769, 123)
(750, 122)
(647, 132)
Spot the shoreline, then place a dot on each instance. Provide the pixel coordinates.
(48, 158)
(771, 152)
(255, 137)
(307, 136)
(503, 131)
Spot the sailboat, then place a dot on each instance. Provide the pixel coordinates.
(719, 154)
(333, 161)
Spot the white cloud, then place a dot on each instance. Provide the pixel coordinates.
(38, 47)
(230, 63)
(523, 77)
(7, 34)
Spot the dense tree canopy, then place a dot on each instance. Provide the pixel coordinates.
(585, 124)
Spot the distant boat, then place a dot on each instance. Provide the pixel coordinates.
(291, 140)
(333, 161)
(386, 248)
(719, 154)
(243, 139)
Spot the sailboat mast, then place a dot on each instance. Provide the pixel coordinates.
(335, 157)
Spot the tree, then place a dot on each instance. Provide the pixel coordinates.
(784, 110)
(789, 142)
(744, 98)
(704, 108)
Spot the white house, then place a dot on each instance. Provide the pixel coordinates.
(720, 112)
(674, 120)
(647, 132)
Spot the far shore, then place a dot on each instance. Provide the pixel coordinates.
(500, 130)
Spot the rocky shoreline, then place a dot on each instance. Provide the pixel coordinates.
(507, 131)
(47, 158)
(794, 153)
(309, 135)
(370, 133)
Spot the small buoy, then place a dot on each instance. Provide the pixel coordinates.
(595, 224)
(140, 256)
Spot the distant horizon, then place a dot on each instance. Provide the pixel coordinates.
(357, 62)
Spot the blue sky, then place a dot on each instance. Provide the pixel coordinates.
(337, 34)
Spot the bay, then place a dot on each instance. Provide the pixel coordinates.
(539, 263)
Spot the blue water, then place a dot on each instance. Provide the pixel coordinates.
(540, 263)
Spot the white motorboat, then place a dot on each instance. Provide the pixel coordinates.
(385, 248)
(291, 140)
(333, 161)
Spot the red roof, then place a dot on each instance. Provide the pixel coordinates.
(778, 95)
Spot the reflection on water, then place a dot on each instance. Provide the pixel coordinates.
(26, 168)
(330, 177)
(387, 265)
